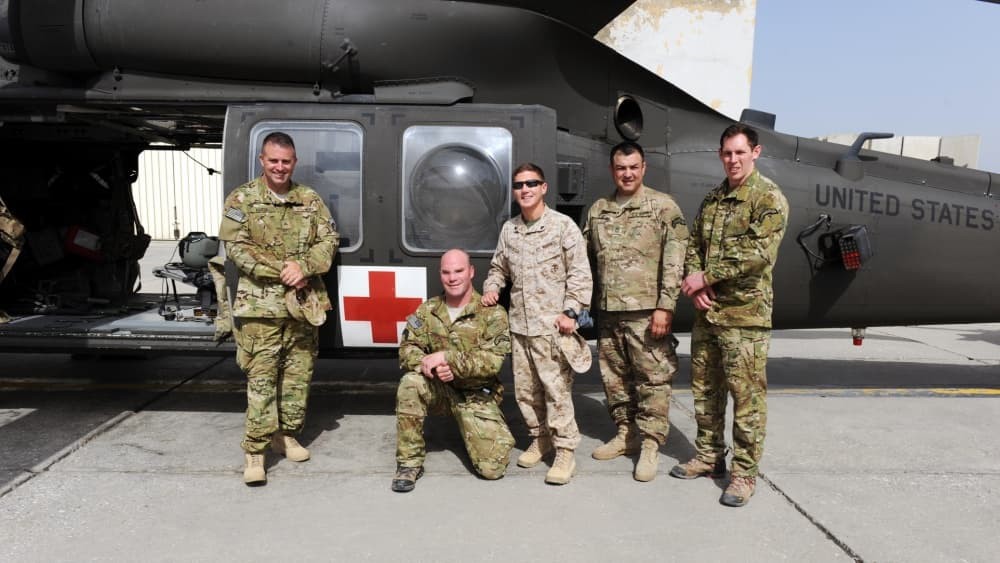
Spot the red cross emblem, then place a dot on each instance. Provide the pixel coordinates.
(382, 308)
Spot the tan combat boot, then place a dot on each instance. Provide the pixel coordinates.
(405, 479)
(739, 491)
(289, 447)
(649, 459)
(625, 442)
(254, 472)
(563, 468)
(695, 468)
(539, 447)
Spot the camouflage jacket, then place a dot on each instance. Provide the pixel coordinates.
(639, 250)
(475, 343)
(734, 240)
(262, 232)
(547, 266)
(11, 239)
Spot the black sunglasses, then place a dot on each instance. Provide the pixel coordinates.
(529, 183)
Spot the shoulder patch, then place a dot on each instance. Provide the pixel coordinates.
(766, 212)
(414, 322)
(236, 215)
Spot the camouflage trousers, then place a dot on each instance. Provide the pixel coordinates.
(543, 388)
(480, 421)
(277, 356)
(636, 370)
(728, 360)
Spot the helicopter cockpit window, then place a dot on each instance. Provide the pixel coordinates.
(329, 161)
(455, 187)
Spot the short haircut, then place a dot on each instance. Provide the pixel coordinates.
(627, 148)
(283, 140)
(740, 129)
(528, 167)
(460, 252)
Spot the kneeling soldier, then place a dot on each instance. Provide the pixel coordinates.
(452, 351)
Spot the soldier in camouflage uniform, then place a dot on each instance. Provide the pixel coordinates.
(452, 351)
(11, 241)
(281, 237)
(734, 245)
(544, 257)
(637, 236)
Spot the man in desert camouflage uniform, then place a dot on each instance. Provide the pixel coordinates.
(452, 351)
(637, 237)
(734, 245)
(282, 239)
(544, 257)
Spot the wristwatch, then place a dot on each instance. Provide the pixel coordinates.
(570, 313)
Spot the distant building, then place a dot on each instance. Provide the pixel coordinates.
(175, 194)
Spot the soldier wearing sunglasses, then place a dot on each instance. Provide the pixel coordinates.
(543, 257)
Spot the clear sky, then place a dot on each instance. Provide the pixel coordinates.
(910, 67)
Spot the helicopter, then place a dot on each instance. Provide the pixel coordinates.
(409, 118)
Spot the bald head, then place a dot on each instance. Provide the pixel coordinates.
(456, 255)
(456, 277)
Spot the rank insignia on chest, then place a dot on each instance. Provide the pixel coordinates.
(236, 215)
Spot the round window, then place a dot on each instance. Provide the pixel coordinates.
(457, 199)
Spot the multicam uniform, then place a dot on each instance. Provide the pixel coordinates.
(475, 344)
(274, 350)
(735, 241)
(547, 265)
(11, 240)
(639, 248)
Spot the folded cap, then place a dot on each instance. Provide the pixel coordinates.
(576, 351)
(305, 305)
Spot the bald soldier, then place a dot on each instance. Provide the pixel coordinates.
(452, 351)
(637, 237)
(734, 246)
(282, 239)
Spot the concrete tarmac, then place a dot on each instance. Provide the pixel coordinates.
(885, 452)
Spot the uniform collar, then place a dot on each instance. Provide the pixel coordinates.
(293, 195)
(634, 202)
(520, 225)
(741, 193)
(441, 309)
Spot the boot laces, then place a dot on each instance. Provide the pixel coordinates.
(408, 473)
(535, 447)
(563, 457)
(742, 484)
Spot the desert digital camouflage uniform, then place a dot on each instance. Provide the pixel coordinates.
(546, 264)
(735, 240)
(476, 343)
(274, 350)
(639, 250)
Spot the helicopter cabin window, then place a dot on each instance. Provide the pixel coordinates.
(456, 187)
(329, 161)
